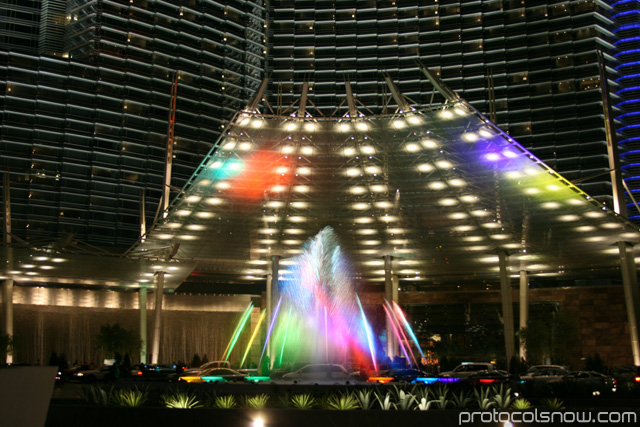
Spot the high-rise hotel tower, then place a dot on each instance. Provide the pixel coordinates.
(86, 87)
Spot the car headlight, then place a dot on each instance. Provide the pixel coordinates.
(80, 374)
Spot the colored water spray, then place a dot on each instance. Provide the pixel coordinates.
(284, 341)
(273, 322)
(403, 336)
(236, 334)
(253, 336)
(407, 327)
(395, 331)
(369, 334)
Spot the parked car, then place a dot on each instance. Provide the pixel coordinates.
(398, 375)
(541, 374)
(324, 373)
(195, 372)
(627, 377)
(548, 368)
(104, 373)
(222, 375)
(68, 374)
(590, 382)
(469, 369)
(157, 372)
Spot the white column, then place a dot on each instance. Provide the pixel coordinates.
(391, 295)
(524, 309)
(631, 295)
(507, 305)
(157, 317)
(7, 285)
(142, 304)
(7, 311)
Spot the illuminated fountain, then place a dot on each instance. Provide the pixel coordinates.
(319, 318)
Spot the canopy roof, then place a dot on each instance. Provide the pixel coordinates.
(440, 189)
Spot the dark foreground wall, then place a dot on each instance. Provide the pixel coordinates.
(99, 416)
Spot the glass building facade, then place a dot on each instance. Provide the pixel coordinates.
(86, 98)
(627, 19)
(86, 86)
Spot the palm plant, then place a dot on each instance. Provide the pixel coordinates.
(554, 404)
(423, 393)
(95, 394)
(180, 399)
(344, 402)
(461, 400)
(257, 402)
(132, 397)
(303, 401)
(365, 399)
(502, 396)
(225, 402)
(424, 404)
(482, 398)
(405, 401)
(385, 402)
(521, 404)
(283, 399)
(441, 392)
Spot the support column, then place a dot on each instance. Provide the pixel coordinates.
(524, 309)
(507, 305)
(631, 295)
(7, 285)
(7, 312)
(391, 295)
(272, 300)
(142, 304)
(157, 317)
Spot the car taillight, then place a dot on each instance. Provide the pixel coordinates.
(139, 372)
(486, 381)
(638, 379)
(381, 380)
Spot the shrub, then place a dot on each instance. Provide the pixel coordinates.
(344, 402)
(365, 399)
(131, 397)
(482, 398)
(225, 402)
(554, 404)
(181, 400)
(95, 394)
(502, 396)
(461, 400)
(257, 402)
(521, 404)
(385, 402)
(303, 401)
